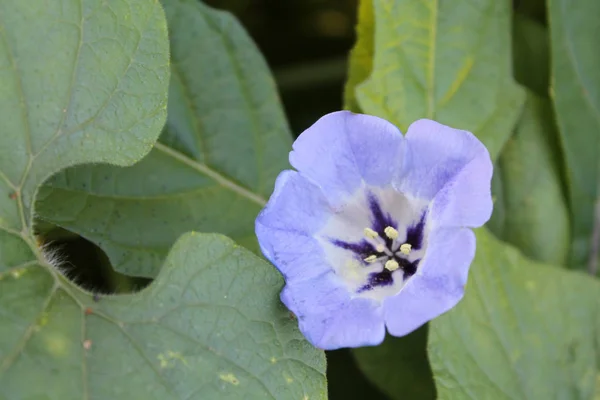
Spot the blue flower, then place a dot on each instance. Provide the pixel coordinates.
(372, 230)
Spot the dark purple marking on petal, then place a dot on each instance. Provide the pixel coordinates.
(377, 279)
(414, 234)
(380, 219)
(362, 249)
(384, 278)
(409, 268)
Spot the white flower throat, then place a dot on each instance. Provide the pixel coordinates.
(376, 241)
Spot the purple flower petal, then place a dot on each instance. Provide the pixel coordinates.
(295, 205)
(466, 200)
(436, 155)
(330, 318)
(438, 284)
(295, 211)
(342, 149)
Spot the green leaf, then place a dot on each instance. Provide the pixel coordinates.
(531, 54)
(211, 324)
(399, 366)
(360, 61)
(523, 331)
(531, 208)
(225, 141)
(575, 58)
(444, 61)
(202, 330)
(93, 92)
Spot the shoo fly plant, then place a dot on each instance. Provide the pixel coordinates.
(167, 231)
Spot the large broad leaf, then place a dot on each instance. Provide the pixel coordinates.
(523, 331)
(211, 325)
(77, 84)
(574, 33)
(226, 140)
(530, 210)
(445, 61)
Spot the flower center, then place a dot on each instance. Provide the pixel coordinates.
(393, 256)
(376, 261)
(387, 250)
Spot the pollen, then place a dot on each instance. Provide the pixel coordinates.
(391, 265)
(405, 248)
(380, 248)
(391, 233)
(371, 259)
(370, 233)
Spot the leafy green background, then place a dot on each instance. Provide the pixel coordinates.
(524, 77)
(201, 329)
(531, 210)
(575, 91)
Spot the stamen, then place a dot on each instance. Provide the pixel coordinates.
(391, 232)
(376, 241)
(371, 259)
(406, 248)
(392, 265)
(370, 233)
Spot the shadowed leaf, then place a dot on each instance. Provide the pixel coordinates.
(531, 210)
(574, 33)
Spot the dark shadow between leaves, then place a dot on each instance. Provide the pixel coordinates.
(399, 366)
(84, 263)
(346, 381)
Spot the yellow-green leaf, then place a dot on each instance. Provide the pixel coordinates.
(446, 61)
(360, 61)
(524, 330)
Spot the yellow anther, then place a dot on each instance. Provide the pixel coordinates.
(371, 259)
(370, 233)
(391, 265)
(391, 232)
(405, 248)
(380, 248)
